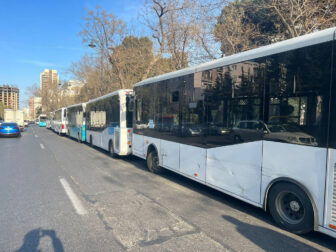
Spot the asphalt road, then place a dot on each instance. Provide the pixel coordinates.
(60, 195)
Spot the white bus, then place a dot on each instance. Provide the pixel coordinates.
(109, 122)
(59, 122)
(258, 125)
(76, 122)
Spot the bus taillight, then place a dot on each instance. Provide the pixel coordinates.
(62, 126)
(332, 226)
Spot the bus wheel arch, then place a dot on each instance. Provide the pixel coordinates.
(152, 159)
(295, 188)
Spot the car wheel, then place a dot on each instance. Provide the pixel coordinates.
(291, 208)
(153, 162)
(111, 150)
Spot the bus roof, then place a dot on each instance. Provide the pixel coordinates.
(110, 94)
(59, 109)
(286, 45)
(77, 105)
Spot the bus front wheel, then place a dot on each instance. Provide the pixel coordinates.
(291, 208)
(153, 162)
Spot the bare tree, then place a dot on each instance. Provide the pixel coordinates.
(234, 34)
(153, 14)
(244, 25)
(105, 31)
(300, 17)
(33, 90)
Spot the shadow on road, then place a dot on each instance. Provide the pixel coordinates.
(31, 240)
(267, 239)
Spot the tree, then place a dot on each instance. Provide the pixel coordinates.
(104, 32)
(299, 17)
(246, 24)
(33, 90)
(38, 111)
(97, 76)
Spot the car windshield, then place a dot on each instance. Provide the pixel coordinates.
(291, 128)
(276, 128)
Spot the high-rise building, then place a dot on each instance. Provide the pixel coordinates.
(49, 79)
(9, 96)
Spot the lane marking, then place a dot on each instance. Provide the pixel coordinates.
(76, 203)
(36, 136)
(42, 146)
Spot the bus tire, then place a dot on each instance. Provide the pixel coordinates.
(111, 150)
(78, 138)
(90, 142)
(291, 208)
(153, 162)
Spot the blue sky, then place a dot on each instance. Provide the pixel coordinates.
(36, 34)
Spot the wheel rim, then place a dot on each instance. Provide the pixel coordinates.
(290, 207)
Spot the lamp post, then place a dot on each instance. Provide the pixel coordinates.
(93, 45)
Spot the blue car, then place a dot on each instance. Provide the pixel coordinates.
(10, 129)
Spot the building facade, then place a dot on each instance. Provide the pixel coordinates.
(10, 96)
(49, 79)
(34, 104)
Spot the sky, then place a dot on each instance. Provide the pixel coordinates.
(39, 34)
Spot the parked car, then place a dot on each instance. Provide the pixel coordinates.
(251, 130)
(10, 129)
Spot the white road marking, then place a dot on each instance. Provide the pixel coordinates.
(77, 204)
(42, 146)
(36, 136)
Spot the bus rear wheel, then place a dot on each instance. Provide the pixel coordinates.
(153, 162)
(91, 141)
(291, 208)
(111, 150)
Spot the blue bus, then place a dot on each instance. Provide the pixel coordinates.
(42, 120)
(76, 122)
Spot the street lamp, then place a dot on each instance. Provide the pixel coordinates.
(92, 44)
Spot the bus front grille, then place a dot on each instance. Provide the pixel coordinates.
(333, 201)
